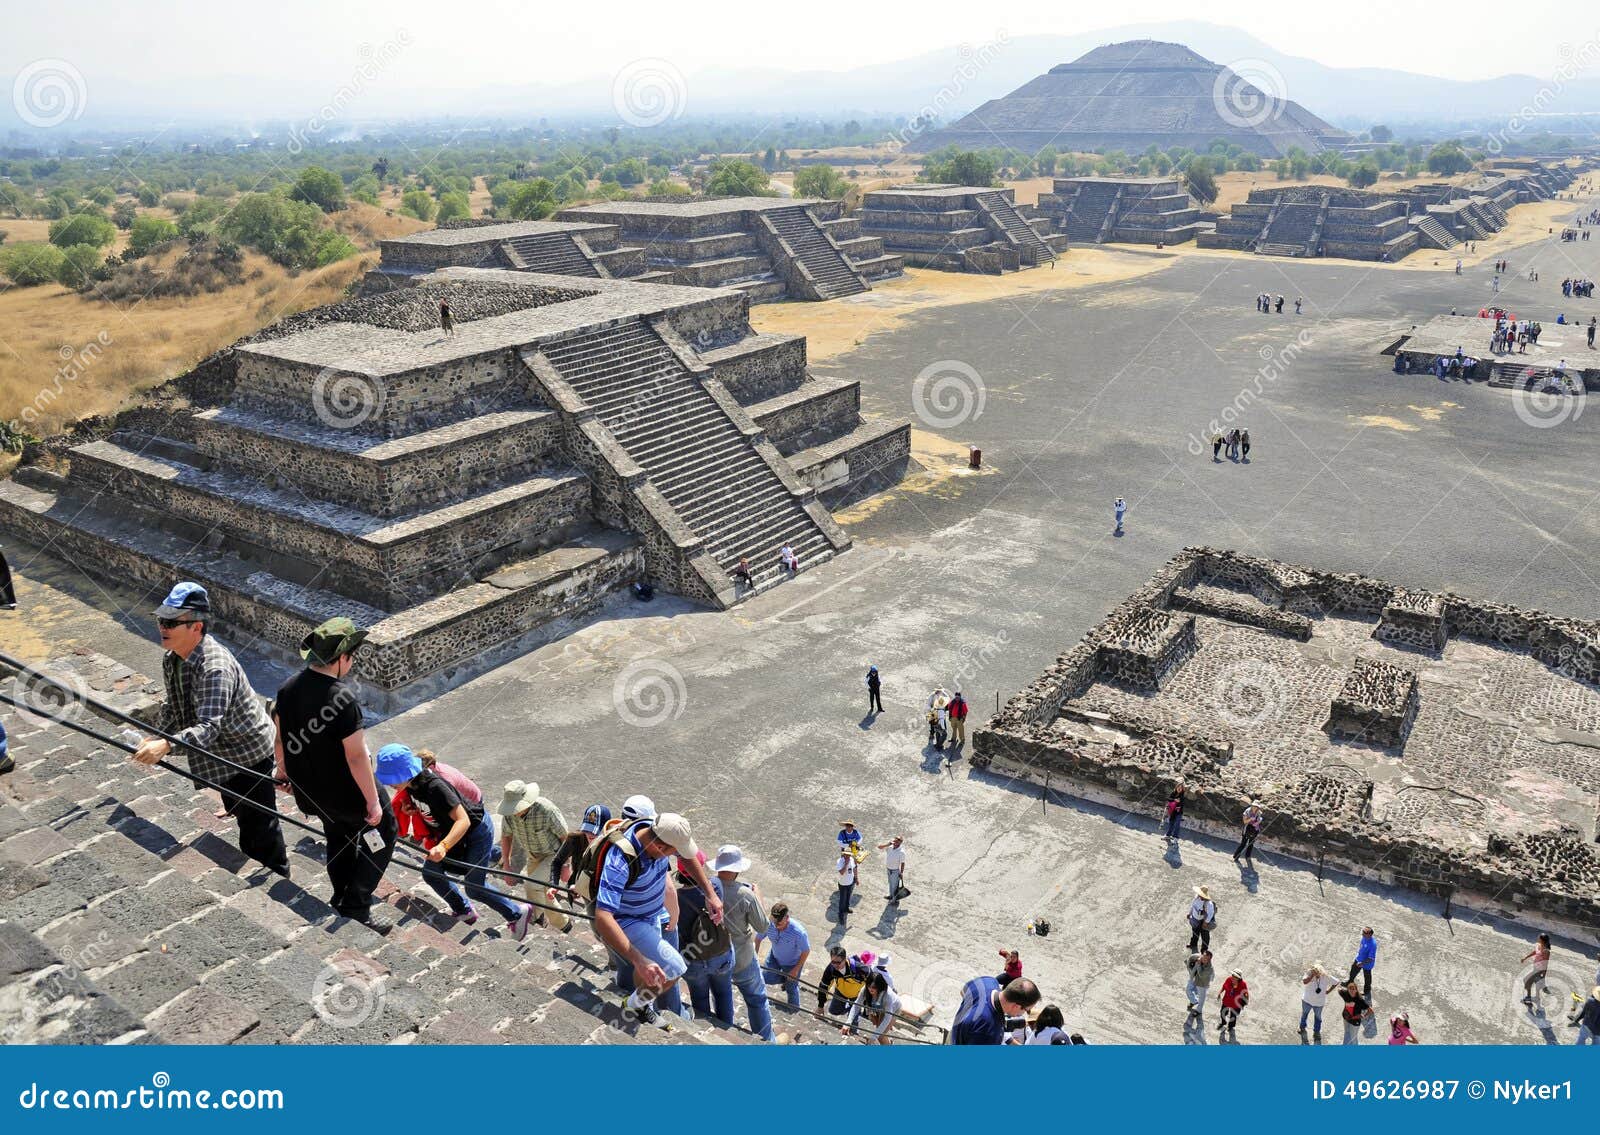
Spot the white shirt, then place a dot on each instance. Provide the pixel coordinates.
(895, 858)
(1045, 1035)
(846, 868)
(1201, 911)
(1315, 992)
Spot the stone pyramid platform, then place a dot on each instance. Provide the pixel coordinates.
(960, 228)
(551, 247)
(128, 916)
(1132, 210)
(770, 248)
(464, 496)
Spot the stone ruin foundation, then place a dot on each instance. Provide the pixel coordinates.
(1421, 738)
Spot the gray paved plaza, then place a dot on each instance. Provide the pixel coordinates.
(753, 720)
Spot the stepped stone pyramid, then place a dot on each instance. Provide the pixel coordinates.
(770, 248)
(1316, 220)
(1129, 96)
(1133, 210)
(962, 228)
(550, 247)
(459, 494)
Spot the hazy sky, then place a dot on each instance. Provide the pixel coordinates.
(496, 41)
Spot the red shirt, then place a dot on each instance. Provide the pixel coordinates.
(1013, 966)
(1234, 991)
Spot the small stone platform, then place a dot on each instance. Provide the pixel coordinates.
(1451, 758)
(1443, 335)
(961, 228)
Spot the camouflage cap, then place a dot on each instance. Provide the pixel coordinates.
(323, 646)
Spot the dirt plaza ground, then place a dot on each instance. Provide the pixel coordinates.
(753, 721)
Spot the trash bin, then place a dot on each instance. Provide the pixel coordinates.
(974, 457)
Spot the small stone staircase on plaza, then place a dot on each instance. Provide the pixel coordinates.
(553, 252)
(830, 272)
(707, 465)
(1292, 228)
(128, 916)
(1433, 233)
(1521, 376)
(1002, 216)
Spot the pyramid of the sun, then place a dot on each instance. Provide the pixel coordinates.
(1126, 96)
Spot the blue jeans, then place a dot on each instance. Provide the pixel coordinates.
(754, 991)
(1585, 1036)
(779, 975)
(1315, 1012)
(1196, 994)
(711, 987)
(473, 849)
(894, 885)
(1174, 825)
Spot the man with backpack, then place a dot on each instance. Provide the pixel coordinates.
(707, 946)
(958, 718)
(633, 903)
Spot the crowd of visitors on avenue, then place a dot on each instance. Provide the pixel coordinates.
(688, 935)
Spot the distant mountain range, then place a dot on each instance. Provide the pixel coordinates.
(950, 82)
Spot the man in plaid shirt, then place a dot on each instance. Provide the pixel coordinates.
(211, 706)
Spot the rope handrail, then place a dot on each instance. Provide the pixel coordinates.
(109, 710)
(405, 844)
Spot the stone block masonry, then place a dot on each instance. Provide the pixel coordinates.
(1420, 737)
(961, 228)
(466, 496)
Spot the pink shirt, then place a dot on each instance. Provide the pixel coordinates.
(1400, 1034)
(459, 780)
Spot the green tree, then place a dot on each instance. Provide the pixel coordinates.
(27, 265)
(964, 167)
(1381, 134)
(532, 200)
(199, 216)
(148, 232)
(320, 187)
(149, 196)
(101, 195)
(730, 177)
(123, 213)
(78, 264)
(454, 207)
(416, 203)
(1448, 158)
(819, 181)
(82, 228)
(1365, 174)
(1201, 181)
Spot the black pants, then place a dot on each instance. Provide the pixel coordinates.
(845, 891)
(1199, 933)
(8, 593)
(352, 869)
(1366, 979)
(1247, 842)
(874, 701)
(260, 834)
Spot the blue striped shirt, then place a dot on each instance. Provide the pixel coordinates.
(647, 897)
(787, 944)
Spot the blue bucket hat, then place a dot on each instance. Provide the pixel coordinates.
(595, 817)
(397, 764)
(185, 599)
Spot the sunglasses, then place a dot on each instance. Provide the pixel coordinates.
(172, 624)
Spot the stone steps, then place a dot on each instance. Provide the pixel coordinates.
(550, 252)
(1436, 235)
(1004, 213)
(395, 561)
(382, 476)
(683, 439)
(829, 270)
(127, 915)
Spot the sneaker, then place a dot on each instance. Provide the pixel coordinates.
(519, 925)
(1527, 1000)
(376, 923)
(1302, 1030)
(647, 1015)
(8, 763)
(469, 916)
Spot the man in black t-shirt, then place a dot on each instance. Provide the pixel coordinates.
(322, 758)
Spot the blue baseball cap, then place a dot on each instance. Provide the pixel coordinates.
(595, 817)
(184, 599)
(397, 764)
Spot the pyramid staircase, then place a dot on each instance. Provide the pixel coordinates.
(128, 916)
(830, 273)
(715, 472)
(1521, 376)
(1003, 217)
(1435, 234)
(557, 253)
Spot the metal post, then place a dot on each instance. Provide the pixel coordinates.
(1322, 851)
